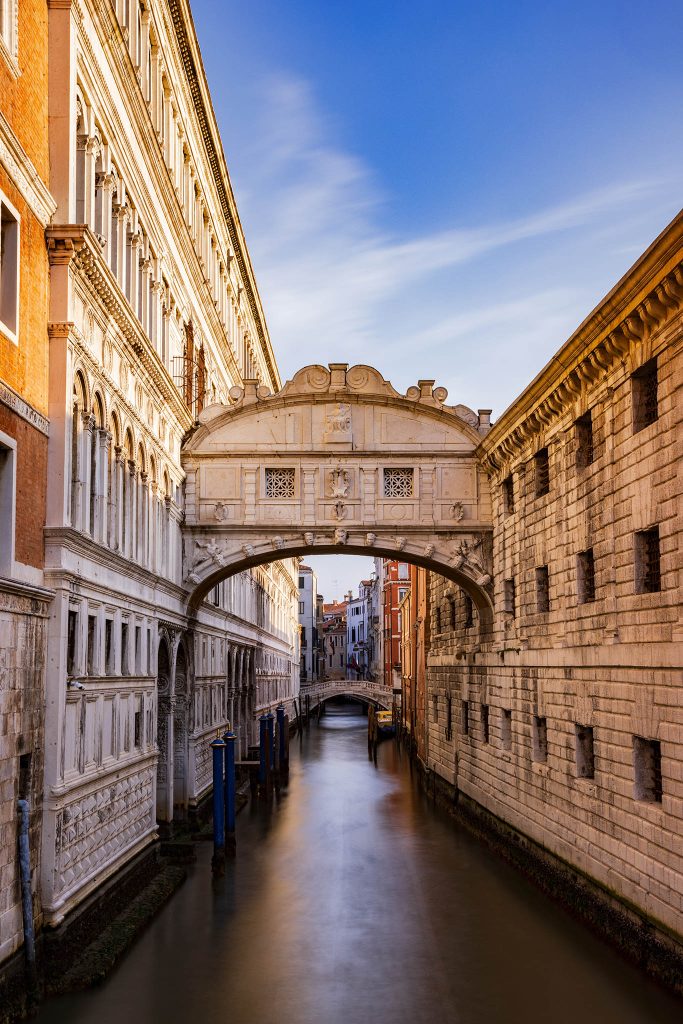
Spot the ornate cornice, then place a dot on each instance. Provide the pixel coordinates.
(644, 302)
(19, 405)
(20, 168)
(77, 243)
(189, 50)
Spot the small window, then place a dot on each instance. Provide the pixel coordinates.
(648, 576)
(539, 739)
(465, 718)
(279, 483)
(124, 649)
(506, 728)
(586, 576)
(647, 766)
(451, 612)
(301, 583)
(9, 270)
(542, 589)
(485, 722)
(448, 731)
(137, 723)
(584, 440)
(302, 607)
(108, 648)
(508, 496)
(644, 396)
(437, 617)
(435, 707)
(71, 641)
(25, 769)
(585, 760)
(403, 571)
(398, 483)
(469, 612)
(92, 640)
(7, 506)
(541, 472)
(509, 597)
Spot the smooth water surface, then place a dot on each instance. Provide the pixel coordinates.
(352, 900)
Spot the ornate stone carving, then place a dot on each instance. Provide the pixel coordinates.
(278, 543)
(221, 512)
(248, 550)
(340, 536)
(309, 537)
(429, 550)
(457, 511)
(340, 482)
(339, 510)
(400, 543)
(370, 539)
(338, 423)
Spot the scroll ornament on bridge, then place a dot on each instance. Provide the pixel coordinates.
(468, 556)
(206, 554)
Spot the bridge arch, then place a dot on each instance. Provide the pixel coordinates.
(337, 462)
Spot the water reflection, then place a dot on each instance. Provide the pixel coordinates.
(353, 901)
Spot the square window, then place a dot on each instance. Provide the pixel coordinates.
(539, 739)
(451, 610)
(508, 495)
(541, 472)
(398, 483)
(437, 620)
(585, 760)
(9, 270)
(585, 567)
(644, 395)
(542, 589)
(584, 440)
(509, 596)
(469, 611)
(647, 571)
(647, 767)
(280, 483)
(506, 728)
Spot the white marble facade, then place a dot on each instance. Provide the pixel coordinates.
(154, 313)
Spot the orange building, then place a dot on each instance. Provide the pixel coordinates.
(395, 583)
(26, 208)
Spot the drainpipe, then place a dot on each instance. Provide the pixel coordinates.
(27, 895)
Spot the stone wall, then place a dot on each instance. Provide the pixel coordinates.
(567, 726)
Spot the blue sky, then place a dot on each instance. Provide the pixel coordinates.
(445, 189)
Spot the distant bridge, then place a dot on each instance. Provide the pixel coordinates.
(368, 692)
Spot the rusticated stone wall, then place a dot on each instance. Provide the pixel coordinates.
(568, 725)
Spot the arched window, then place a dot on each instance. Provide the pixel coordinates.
(96, 468)
(141, 507)
(128, 524)
(79, 463)
(114, 484)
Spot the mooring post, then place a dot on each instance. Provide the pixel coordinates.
(218, 862)
(229, 738)
(263, 753)
(280, 713)
(270, 719)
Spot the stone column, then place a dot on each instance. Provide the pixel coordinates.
(103, 442)
(143, 514)
(131, 511)
(134, 244)
(85, 469)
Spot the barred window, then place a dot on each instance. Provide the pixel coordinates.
(542, 475)
(584, 440)
(451, 607)
(585, 757)
(648, 576)
(279, 483)
(485, 722)
(539, 739)
(469, 612)
(465, 720)
(647, 766)
(509, 596)
(644, 395)
(542, 589)
(508, 496)
(586, 576)
(398, 483)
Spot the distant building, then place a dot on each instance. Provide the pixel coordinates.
(359, 640)
(334, 632)
(308, 624)
(395, 585)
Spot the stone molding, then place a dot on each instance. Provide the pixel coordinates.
(75, 243)
(643, 303)
(20, 168)
(19, 405)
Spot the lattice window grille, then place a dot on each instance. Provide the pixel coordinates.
(398, 483)
(279, 483)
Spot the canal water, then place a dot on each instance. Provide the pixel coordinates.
(352, 900)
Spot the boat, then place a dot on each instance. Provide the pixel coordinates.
(385, 724)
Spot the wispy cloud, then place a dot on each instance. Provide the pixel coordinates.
(338, 286)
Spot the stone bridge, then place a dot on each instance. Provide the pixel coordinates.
(368, 692)
(337, 462)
